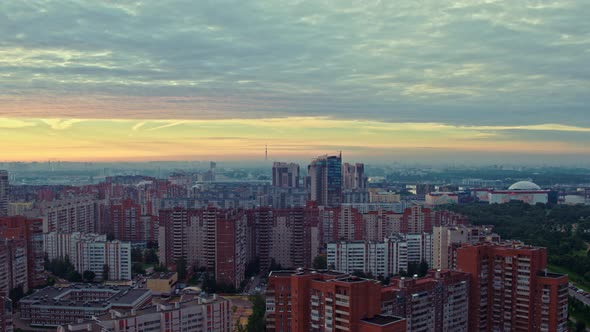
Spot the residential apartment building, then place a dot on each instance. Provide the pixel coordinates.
(511, 290)
(76, 214)
(125, 221)
(447, 239)
(31, 232)
(383, 259)
(91, 252)
(4, 186)
(212, 238)
(307, 300)
(13, 259)
(6, 323)
(438, 302)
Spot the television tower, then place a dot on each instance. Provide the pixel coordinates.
(266, 152)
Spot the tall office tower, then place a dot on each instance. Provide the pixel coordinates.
(447, 239)
(436, 303)
(353, 176)
(511, 290)
(126, 222)
(3, 193)
(307, 300)
(285, 175)
(325, 180)
(31, 232)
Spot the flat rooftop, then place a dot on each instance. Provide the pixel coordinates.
(161, 275)
(550, 275)
(83, 295)
(382, 320)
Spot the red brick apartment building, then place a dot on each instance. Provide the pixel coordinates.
(511, 290)
(306, 300)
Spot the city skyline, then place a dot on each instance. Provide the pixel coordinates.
(175, 80)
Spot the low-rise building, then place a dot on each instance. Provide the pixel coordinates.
(53, 306)
(190, 314)
(162, 283)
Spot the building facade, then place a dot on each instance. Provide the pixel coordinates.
(353, 176)
(200, 314)
(30, 231)
(4, 186)
(306, 300)
(447, 239)
(325, 180)
(91, 252)
(438, 302)
(381, 259)
(510, 290)
(285, 175)
(53, 307)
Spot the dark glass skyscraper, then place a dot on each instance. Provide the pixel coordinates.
(325, 179)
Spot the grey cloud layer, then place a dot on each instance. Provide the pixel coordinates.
(469, 61)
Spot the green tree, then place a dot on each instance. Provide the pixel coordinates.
(150, 256)
(422, 269)
(137, 268)
(136, 255)
(105, 272)
(89, 276)
(320, 262)
(239, 327)
(74, 276)
(256, 321)
(160, 268)
(209, 284)
(181, 268)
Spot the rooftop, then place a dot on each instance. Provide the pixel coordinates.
(550, 275)
(162, 275)
(82, 295)
(382, 320)
(524, 185)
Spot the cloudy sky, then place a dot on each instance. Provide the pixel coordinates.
(154, 80)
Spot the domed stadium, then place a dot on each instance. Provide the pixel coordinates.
(524, 185)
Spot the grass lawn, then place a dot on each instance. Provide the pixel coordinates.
(574, 277)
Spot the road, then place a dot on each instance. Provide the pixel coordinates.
(579, 294)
